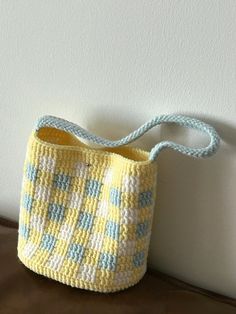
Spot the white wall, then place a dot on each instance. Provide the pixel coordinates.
(110, 66)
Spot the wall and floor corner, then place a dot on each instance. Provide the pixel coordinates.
(112, 65)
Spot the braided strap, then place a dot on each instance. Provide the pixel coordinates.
(50, 121)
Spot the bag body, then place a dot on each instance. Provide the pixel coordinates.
(86, 214)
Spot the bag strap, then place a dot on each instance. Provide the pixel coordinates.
(51, 121)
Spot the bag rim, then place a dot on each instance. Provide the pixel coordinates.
(95, 151)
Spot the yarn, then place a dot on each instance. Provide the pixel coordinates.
(86, 214)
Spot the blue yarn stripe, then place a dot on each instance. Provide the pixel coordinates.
(50, 121)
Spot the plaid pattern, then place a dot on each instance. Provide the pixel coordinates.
(86, 224)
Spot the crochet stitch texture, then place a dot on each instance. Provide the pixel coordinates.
(86, 214)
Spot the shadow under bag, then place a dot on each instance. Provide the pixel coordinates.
(86, 213)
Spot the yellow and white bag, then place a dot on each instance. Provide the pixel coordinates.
(86, 213)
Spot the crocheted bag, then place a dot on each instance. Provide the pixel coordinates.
(86, 213)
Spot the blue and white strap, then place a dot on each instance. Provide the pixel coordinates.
(51, 121)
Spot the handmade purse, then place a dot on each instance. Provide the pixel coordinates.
(86, 213)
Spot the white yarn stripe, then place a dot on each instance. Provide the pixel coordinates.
(37, 223)
(87, 273)
(42, 193)
(47, 164)
(130, 184)
(29, 250)
(55, 262)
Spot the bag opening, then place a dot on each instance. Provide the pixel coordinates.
(59, 137)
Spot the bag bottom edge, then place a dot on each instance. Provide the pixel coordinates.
(75, 283)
